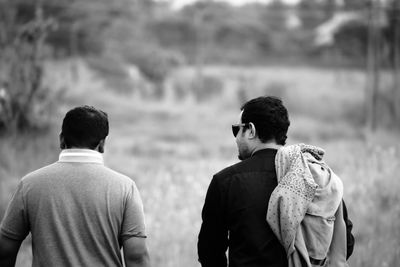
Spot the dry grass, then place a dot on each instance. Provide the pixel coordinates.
(171, 149)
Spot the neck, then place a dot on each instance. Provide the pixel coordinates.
(265, 146)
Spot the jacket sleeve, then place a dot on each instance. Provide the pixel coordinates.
(213, 237)
(349, 236)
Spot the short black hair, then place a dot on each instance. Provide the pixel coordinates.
(84, 127)
(269, 116)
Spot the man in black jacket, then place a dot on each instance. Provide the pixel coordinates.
(235, 208)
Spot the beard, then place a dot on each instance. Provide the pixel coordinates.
(244, 152)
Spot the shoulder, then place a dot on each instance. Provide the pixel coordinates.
(39, 173)
(260, 163)
(118, 177)
(230, 170)
(58, 169)
(241, 167)
(123, 184)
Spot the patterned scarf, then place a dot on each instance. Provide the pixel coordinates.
(302, 208)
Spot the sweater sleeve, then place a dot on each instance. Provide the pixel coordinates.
(15, 224)
(133, 221)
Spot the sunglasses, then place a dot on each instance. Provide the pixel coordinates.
(236, 128)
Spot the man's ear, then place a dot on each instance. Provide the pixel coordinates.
(62, 141)
(252, 131)
(101, 145)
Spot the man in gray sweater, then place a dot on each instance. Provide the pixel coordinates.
(79, 212)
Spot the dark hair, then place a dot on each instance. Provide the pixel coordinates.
(84, 127)
(269, 116)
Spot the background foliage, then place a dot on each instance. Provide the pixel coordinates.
(172, 81)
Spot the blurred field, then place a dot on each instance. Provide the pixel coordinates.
(172, 147)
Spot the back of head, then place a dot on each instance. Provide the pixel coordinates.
(84, 127)
(269, 116)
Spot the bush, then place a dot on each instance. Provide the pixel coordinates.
(372, 197)
(155, 63)
(351, 40)
(112, 71)
(276, 88)
(23, 98)
(206, 87)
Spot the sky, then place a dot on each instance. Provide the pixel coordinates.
(179, 3)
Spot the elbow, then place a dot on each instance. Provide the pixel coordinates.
(8, 251)
(138, 259)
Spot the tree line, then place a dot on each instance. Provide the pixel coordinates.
(113, 34)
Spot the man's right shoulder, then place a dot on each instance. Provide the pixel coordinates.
(118, 176)
(231, 170)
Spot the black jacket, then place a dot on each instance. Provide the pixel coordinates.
(234, 216)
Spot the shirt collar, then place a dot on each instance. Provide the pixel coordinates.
(81, 155)
(267, 147)
(265, 151)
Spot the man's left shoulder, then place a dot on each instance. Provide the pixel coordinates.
(40, 173)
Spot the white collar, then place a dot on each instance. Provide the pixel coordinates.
(81, 155)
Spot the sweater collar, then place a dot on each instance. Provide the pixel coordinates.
(81, 155)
